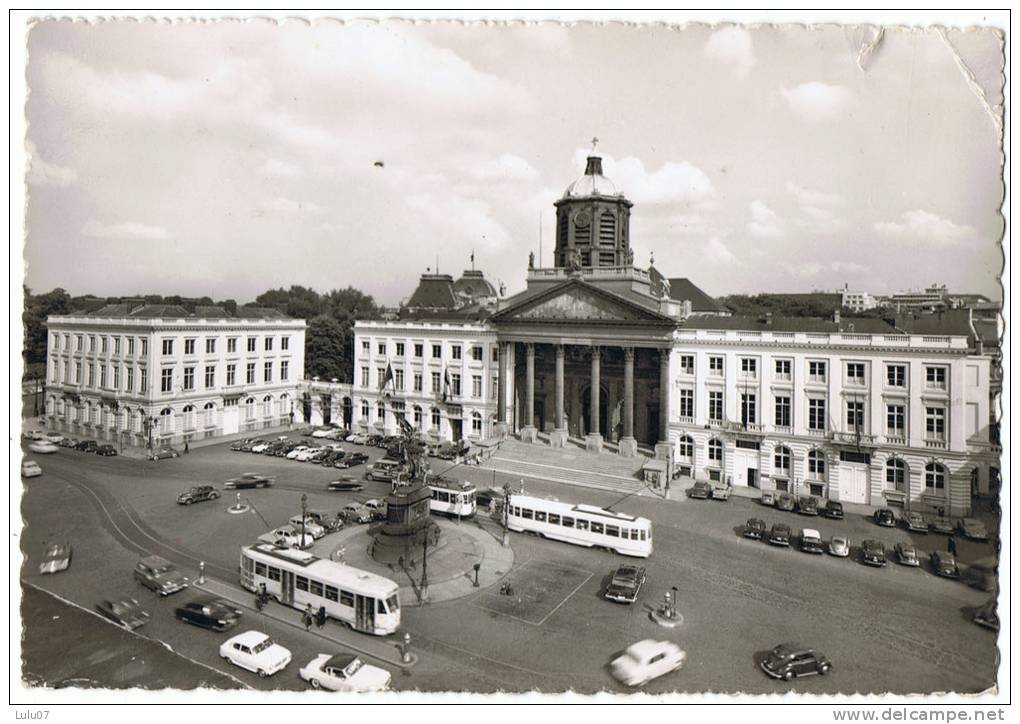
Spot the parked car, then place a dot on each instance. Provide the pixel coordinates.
(260, 447)
(344, 672)
(164, 453)
(972, 528)
(104, 450)
(310, 526)
(941, 524)
(55, 437)
(289, 537)
(832, 509)
(56, 558)
(160, 575)
(69, 442)
(885, 517)
(983, 574)
(209, 612)
(87, 446)
(767, 498)
(249, 480)
(488, 497)
(807, 505)
(839, 546)
(625, 584)
(780, 535)
(378, 508)
(914, 522)
(355, 513)
(357, 438)
(124, 612)
(721, 492)
(374, 440)
(944, 564)
(987, 616)
(350, 460)
(811, 541)
(43, 447)
(30, 469)
(873, 553)
(32, 435)
(785, 501)
(239, 445)
(346, 484)
(255, 651)
(788, 661)
(700, 490)
(906, 554)
(385, 470)
(754, 528)
(197, 493)
(647, 660)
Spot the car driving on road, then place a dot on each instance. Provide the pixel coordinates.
(197, 493)
(160, 575)
(209, 612)
(124, 612)
(106, 451)
(30, 469)
(249, 480)
(43, 447)
(164, 453)
(789, 661)
(255, 651)
(57, 558)
(625, 584)
(344, 672)
(647, 660)
(346, 484)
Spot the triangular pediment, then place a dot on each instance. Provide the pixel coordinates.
(577, 302)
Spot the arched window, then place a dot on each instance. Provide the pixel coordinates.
(284, 404)
(417, 416)
(267, 406)
(435, 418)
(476, 423)
(781, 460)
(685, 447)
(364, 409)
(715, 451)
(125, 418)
(816, 464)
(935, 476)
(896, 475)
(166, 419)
(380, 413)
(249, 408)
(209, 414)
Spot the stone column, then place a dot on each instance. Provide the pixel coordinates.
(663, 449)
(628, 445)
(558, 437)
(528, 432)
(501, 393)
(593, 440)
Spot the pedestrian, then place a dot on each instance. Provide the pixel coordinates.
(307, 617)
(320, 617)
(186, 450)
(952, 545)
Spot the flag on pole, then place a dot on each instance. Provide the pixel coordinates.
(446, 384)
(387, 378)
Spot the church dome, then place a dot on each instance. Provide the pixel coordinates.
(474, 285)
(592, 183)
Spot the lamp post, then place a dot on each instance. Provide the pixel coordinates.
(304, 512)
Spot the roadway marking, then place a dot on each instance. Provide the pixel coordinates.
(576, 588)
(544, 618)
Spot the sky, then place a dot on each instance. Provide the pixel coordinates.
(227, 158)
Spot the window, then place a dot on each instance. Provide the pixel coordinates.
(210, 345)
(210, 376)
(116, 345)
(92, 374)
(398, 380)
(455, 351)
(267, 372)
(104, 340)
(419, 349)
(284, 370)
(400, 349)
(301, 583)
(250, 373)
(284, 344)
(596, 527)
(715, 451)
(686, 403)
(476, 354)
(130, 346)
(168, 347)
(781, 459)
(935, 423)
(476, 423)
(315, 588)
(380, 374)
(934, 477)
(715, 366)
(365, 346)
(417, 416)
(166, 380)
(782, 411)
(685, 447)
(231, 345)
(896, 420)
(783, 369)
(143, 380)
(435, 382)
(896, 375)
(364, 376)
(380, 413)
(435, 418)
(77, 373)
(437, 351)
(102, 376)
(495, 353)
(331, 594)
(816, 414)
(748, 411)
(129, 383)
(855, 415)
(715, 406)
(816, 371)
(189, 346)
(364, 409)
(346, 598)
(231, 375)
(896, 475)
(816, 464)
(417, 382)
(189, 378)
(687, 364)
(381, 347)
(116, 377)
(855, 373)
(748, 367)
(251, 344)
(455, 384)
(935, 377)
(476, 386)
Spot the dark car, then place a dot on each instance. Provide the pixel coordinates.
(238, 445)
(885, 517)
(106, 450)
(811, 541)
(346, 485)
(249, 480)
(754, 528)
(209, 612)
(987, 616)
(788, 661)
(281, 450)
(780, 535)
(488, 497)
(785, 501)
(160, 575)
(69, 442)
(124, 612)
(700, 490)
(941, 524)
(350, 460)
(197, 494)
(164, 453)
(873, 553)
(944, 564)
(832, 509)
(87, 446)
(374, 440)
(972, 528)
(807, 505)
(914, 522)
(625, 584)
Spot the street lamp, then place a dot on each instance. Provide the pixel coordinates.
(304, 513)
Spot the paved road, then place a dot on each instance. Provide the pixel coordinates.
(892, 629)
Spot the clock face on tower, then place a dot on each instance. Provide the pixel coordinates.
(582, 220)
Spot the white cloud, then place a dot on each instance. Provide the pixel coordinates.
(808, 269)
(507, 167)
(816, 101)
(926, 227)
(813, 268)
(765, 222)
(674, 181)
(732, 46)
(43, 173)
(849, 267)
(811, 197)
(291, 206)
(719, 253)
(275, 168)
(125, 230)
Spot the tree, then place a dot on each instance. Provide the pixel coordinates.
(37, 308)
(326, 353)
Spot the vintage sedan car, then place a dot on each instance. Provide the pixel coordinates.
(124, 612)
(625, 584)
(32, 435)
(30, 469)
(69, 442)
(87, 446)
(873, 553)
(941, 524)
(56, 558)
(488, 497)
(254, 651)
(164, 453)
(344, 672)
(885, 517)
(987, 616)
(323, 432)
(43, 447)
(261, 446)
(754, 528)
(832, 509)
(722, 492)
(811, 541)
(249, 480)
(357, 438)
(647, 660)
(789, 661)
(209, 612)
(350, 460)
(839, 546)
(944, 564)
(972, 528)
(239, 445)
(906, 554)
(785, 501)
(160, 575)
(346, 484)
(287, 536)
(311, 526)
(767, 498)
(914, 522)
(107, 451)
(780, 535)
(197, 493)
(356, 513)
(55, 437)
(807, 505)
(700, 490)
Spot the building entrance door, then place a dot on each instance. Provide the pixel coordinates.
(457, 429)
(745, 468)
(853, 483)
(752, 478)
(230, 424)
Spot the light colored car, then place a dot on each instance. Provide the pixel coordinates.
(55, 437)
(261, 447)
(914, 522)
(292, 455)
(30, 469)
(647, 660)
(839, 546)
(323, 432)
(906, 554)
(721, 492)
(32, 435)
(311, 526)
(355, 513)
(810, 541)
(287, 536)
(255, 651)
(43, 447)
(57, 558)
(307, 454)
(969, 527)
(344, 672)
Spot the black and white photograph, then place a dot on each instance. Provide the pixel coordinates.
(501, 359)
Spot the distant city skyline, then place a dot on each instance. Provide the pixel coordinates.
(226, 159)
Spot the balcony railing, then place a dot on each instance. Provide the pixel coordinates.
(896, 439)
(935, 444)
(853, 437)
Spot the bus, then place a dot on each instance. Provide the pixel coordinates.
(452, 497)
(584, 525)
(364, 601)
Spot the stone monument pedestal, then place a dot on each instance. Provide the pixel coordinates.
(529, 433)
(628, 447)
(593, 442)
